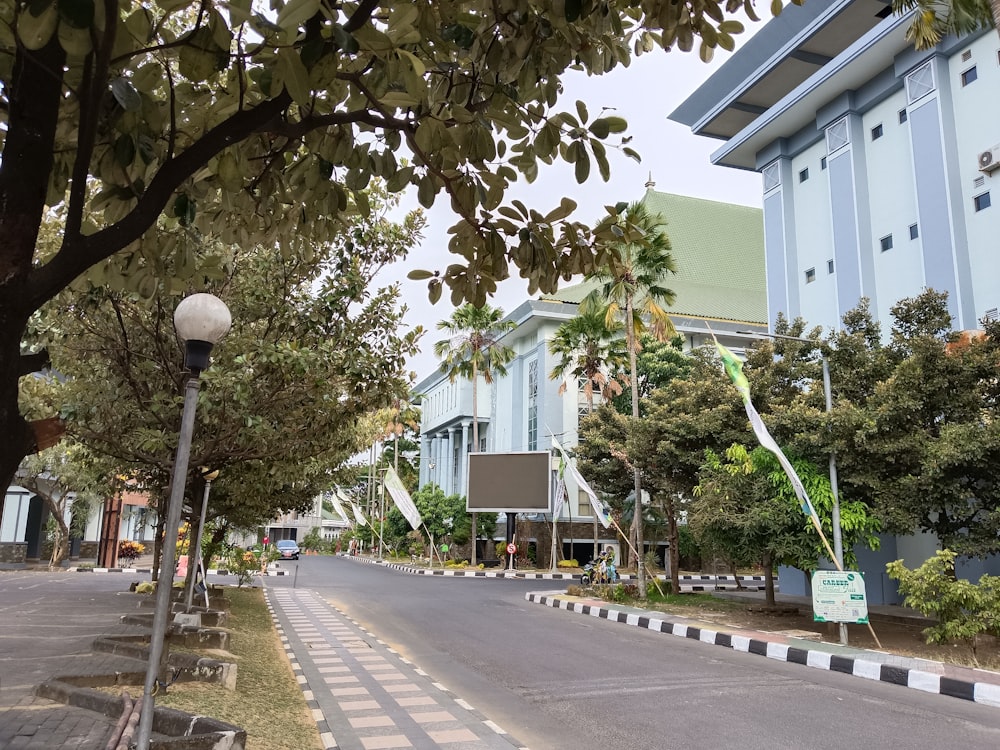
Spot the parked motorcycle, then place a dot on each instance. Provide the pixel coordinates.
(601, 571)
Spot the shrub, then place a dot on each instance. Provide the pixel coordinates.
(244, 564)
(129, 550)
(963, 609)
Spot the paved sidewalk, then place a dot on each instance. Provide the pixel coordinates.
(363, 694)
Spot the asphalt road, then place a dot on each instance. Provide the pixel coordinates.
(559, 680)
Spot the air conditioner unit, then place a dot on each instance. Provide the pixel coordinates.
(989, 160)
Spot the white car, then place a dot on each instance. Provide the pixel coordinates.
(288, 549)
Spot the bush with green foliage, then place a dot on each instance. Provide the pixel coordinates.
(312, 541)
(963, 609)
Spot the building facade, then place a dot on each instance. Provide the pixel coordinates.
(879, 173)
(719, 285)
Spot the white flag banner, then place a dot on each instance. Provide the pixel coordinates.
(394, 485)
(603, 514)
(358, 515)
(335, 501)
(557, 504)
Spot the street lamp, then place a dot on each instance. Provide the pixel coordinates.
(838, 542)
(201, 321)
(194, 553)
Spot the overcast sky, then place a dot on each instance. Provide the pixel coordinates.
(644, 94)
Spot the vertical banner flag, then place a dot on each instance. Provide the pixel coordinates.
(603, 514)
(358, 515)
(734, 368)
(402, 498)
(335, 498)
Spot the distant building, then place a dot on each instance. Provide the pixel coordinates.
(878, 165)
(719, 253)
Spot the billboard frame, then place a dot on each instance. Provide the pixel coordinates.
(500, 508)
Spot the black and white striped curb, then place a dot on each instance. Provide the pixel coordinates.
(149, 571)
(688, 582)
(323, 724)
(868, 664)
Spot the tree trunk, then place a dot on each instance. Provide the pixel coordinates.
(768, 579)
(475, 449)
(675, 547)
(637, 519)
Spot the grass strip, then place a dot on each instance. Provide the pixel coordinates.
(267, 702)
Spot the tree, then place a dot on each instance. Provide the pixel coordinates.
(632, 286)
(64, 478)
(590, 350)
(474, 349)
(923, 447)
(745, 506)
(587, 348)
(133, 123)
(312, 350)
(935, 19)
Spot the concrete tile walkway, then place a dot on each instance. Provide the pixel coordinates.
(365, 695)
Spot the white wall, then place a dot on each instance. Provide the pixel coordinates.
(813, 237)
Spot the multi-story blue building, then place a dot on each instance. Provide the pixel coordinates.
(879, 166)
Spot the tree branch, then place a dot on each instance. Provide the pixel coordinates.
(79, 254)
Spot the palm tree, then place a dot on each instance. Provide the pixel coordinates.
(937, 18)
(632, 289)
(586, 347)
(471, 350)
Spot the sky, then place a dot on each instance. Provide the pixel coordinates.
(644, 94)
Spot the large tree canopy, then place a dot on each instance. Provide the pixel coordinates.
(258, 126)
(312, 350)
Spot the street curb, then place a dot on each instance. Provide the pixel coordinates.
(928, 682)
(687, 581)
(149, 571)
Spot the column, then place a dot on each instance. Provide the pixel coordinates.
(449, 482)
(463, 456)
(423, 460)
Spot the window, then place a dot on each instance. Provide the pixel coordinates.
(920, 83)
(822, 163)
(810, 275)
(968, 76)
(837, 135)
(903, 117)
(877, 132)
(533, 405)
(981, 201)
(991, 314)
(829, 266)
(772, 176)
(886, 243)
(914, 232)
(967, 55)
(978, 182)
(804, 175)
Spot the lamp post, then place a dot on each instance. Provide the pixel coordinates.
(838, 542)
(201, 321)
(194, 553)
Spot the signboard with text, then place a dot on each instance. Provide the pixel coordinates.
(839, 596)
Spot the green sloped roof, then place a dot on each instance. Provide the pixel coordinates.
(718, 251)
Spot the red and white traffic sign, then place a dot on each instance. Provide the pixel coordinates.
(511, 548)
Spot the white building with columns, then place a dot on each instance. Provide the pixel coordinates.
(719, 286)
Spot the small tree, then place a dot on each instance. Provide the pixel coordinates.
(963, 609)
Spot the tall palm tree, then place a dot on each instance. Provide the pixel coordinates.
(587, 348)
(472, 349)
(937, 18)
(632, 289)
